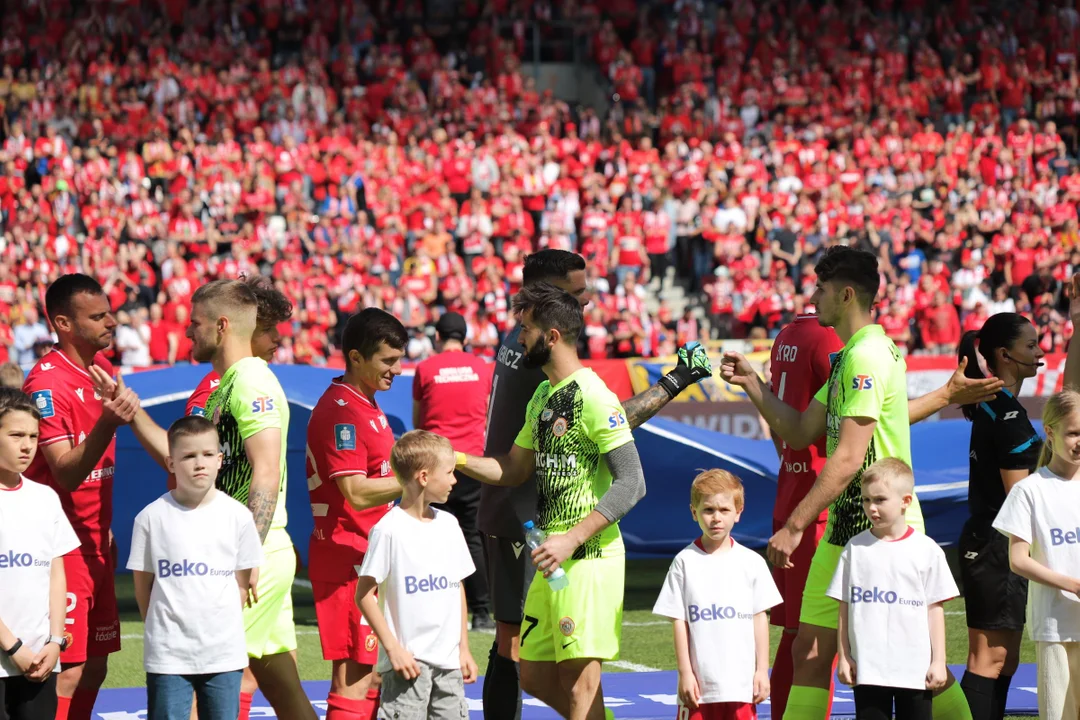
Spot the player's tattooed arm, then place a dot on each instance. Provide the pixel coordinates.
(262, 504)
(643, 406)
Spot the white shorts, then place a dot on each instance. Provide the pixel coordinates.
(1059, 680)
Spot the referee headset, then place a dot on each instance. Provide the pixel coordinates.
(979, 348)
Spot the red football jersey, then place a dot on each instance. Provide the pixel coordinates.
(347, 435)
(64, 395)
(196, 404)
(452, 389)
(800, 363)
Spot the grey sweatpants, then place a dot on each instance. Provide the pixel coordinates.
(435, 694)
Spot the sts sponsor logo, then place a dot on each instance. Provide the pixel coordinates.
(862, 382)
(262, 404)
(345, 437)
(616, 420)
(43, 401)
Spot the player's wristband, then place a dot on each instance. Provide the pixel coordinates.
(10, 652)
(460, 459)
(677, 380)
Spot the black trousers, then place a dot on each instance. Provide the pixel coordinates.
(463, 503)
(873, 702)
(21, 699)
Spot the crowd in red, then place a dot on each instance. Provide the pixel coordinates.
(363, 155)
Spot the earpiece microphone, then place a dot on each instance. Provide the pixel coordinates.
(1021, 362)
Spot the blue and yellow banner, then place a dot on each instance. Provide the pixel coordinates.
(645, 372)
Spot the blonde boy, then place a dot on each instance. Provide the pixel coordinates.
(892, 582)
(716, 594)
(417, 557)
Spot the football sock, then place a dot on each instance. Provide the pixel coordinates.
(245, 705)
(1001, 695)
(63, 706)
(343, 708)
(952, 705)
(502, 689)
(979, 691)
(82, 704)
(780, 677)
(807, 703)
(608, 714)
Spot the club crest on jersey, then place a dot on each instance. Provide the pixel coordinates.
(43, 401)
(616, 420)
(382, 421)
(547, 414)
(567, 626)
(371, 642)
(345, 436)
(262, 404)
(558, 428)
(862, 382)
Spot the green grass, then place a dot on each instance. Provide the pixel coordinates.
(646, 639)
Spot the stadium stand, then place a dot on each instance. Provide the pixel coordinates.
(402, 155)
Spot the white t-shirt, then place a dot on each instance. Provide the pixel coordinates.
(1044, 510)
(718, 595)
(889, 587)
(194, 624)
(33, 532)
(419, 567)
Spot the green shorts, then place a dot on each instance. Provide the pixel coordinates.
(583, 620)
(817, 607)
(268, 624)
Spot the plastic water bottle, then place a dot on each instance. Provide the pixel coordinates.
(534, 538)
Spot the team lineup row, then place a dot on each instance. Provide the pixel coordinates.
(559, 450)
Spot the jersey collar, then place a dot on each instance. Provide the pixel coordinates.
(340, 382)
(864, 332)
(63, 356)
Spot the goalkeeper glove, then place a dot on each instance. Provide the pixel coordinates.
(693, 366)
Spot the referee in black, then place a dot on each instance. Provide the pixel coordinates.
(1004, 449)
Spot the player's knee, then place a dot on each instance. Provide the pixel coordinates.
(507, 637)
(533, 682)
(69, 678)
(812, 652)
(248, 683)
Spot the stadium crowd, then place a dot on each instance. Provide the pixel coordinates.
(367, 155)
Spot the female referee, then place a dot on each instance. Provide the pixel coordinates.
(1004, 449)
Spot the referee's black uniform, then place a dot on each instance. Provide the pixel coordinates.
(1002, 438)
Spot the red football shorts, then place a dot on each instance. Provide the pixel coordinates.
(792, 582)
(719, 711)
(93, 622)
(343, 633)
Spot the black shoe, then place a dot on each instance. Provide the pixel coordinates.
(482, 621)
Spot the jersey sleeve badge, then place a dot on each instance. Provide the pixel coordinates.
(198, 411)
(862, 382)
(616, 420)
(262, 404)
(345, 436)
(43, 401)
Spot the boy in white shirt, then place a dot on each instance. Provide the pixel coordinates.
(1041, 517)
(716, 594)
(195, 555)
(892, 583)
(417, 558)
(34, 536)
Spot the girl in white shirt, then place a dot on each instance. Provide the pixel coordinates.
(1041, 517)
(34, 536)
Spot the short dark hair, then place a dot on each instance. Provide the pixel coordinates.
(1000, 330)
(552, 308)
(60, 294)
(274, 307)
(368, 329)
(190, 426)
(550, 264)
(851, 267)
(12, 400)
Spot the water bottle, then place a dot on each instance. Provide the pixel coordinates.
(534, 538)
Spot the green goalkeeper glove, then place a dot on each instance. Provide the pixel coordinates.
(693, 366)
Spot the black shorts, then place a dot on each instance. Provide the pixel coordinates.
(995, 596)
(510, 572)
(21, 699)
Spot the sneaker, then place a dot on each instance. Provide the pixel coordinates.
(481, 621)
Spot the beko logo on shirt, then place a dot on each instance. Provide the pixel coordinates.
(715, 612)
(1064, 537)
(431, 583)
(187, 568)
(877, 595)
(13, 559)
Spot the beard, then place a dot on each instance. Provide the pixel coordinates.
(537, 356)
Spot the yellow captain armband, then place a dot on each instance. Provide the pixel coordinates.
(460, 459)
